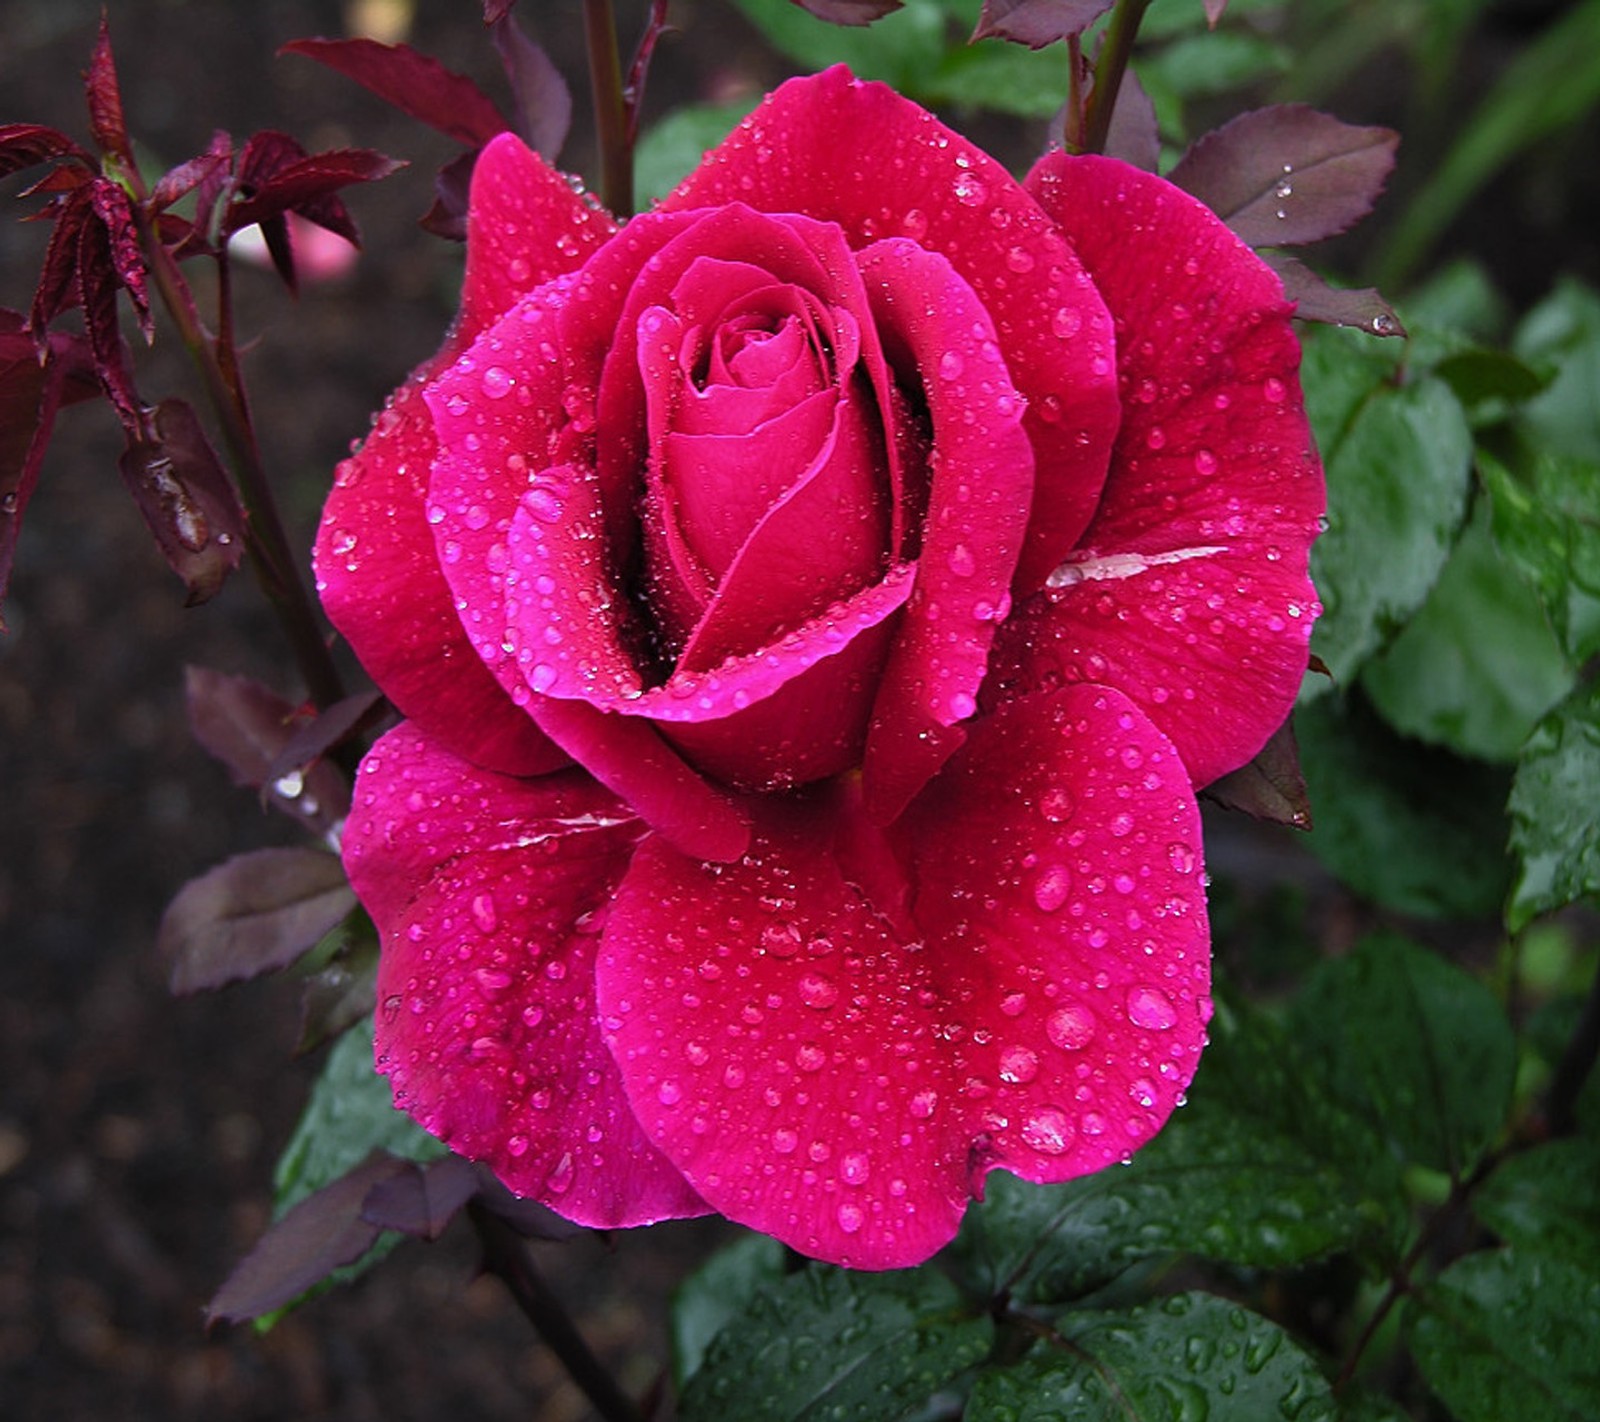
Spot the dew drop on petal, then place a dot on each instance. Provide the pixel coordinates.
(1070, 1027)
(850, 1217)
(1018, 1065)
(1151, 1008)
(1049, 1130)
(1051, 887)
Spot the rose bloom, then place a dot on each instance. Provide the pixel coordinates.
(815, 605)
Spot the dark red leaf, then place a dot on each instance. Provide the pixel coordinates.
(205, 168)
(306, 186)
(1360, 307)
(248, 727)
(1037, 23)
(322, 1233)
(422, 1200)
(106, 122)
(849, 12)
(413, 82)
(22, 145)
(1287, 175)
(185, 497)
(115, 211)
(97, 285)
(452, 187)
(639, 71)
(1134, 136)
(542, 101)
(57, 289)
(1271, 786)
(251, 915)
(33, 387)
(311, 739)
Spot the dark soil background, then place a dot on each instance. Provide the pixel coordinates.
(138, 1132)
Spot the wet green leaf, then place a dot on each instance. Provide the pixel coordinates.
(1408, 826)
(1564, 331)
(1418, 1046)
(1547, 525)
(1397, 486)
(1555, 830)
(1508, 1334)
(1479, 665)
(717, 1293)
(828, 1345)
(672, 149)
(1191, 1356)
(900, 48)
(1547, 1201)
(349, 1114)
(1260, 1169)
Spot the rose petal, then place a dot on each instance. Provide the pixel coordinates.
(378, 577)
(1190, 590)
(489, 895)
(978, 502)
(1051, 322)
(826, 1079)
(375, 568)
(526, 225)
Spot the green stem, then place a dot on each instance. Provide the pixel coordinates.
(1108, 71)
(610, 108)
(506, 1256)
(271, 558)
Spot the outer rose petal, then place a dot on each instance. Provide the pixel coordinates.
(376, 569)
(921, 180)
(1190, 590)
(845, 1085)
(489, 895)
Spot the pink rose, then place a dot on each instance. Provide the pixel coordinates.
(816, 604)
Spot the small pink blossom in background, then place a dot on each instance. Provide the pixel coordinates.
(319, 255)
(815, 605)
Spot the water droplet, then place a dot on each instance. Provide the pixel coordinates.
(1066, 323)
(923, 1103)
(1070, 1027)
(1151, 1008)
(1273, 389)
(1020, 260)
(1049, 1130)
(1181, 857)
(962, 563)
(1051, 887)
(854, 1168)
(1018, 1065)
(1056, 804)
(1205, 462)
(969, 190)
(818, 990)
(781, 938)
(850, 1217)
(951, 364)
(914, 223)
(669, 1093)
(497, 383)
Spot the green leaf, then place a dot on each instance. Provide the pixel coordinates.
(350, 1114)
(1564, 331)
(1547, 524)
(1418, 1046)
(1507, 1334)
(1188, 1356)
(673, 148)
(1261, 1169)
(1407, 826)
(1479, 665)
(1547, 1201)
(717, 1293)
(1397, 486)
(828, 1345)
(1215, 63)
(1555, 831)
(900, 48)
(1009, 78)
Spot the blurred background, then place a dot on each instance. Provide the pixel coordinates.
(137, 1131)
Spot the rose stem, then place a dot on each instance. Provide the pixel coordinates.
(506, 1256)
(274, 564)
(1108, 72)
(610, 108)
